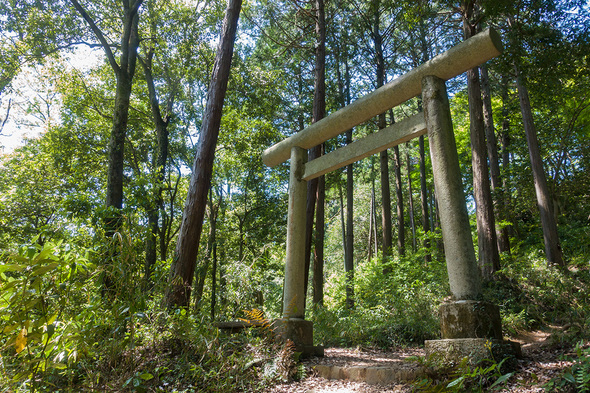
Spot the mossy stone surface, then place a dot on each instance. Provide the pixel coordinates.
(453, 351)
(470, 319)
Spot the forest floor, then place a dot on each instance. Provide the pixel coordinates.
(541, 361)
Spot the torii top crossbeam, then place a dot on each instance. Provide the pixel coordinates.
(460, 58)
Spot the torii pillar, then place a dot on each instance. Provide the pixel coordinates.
(293, 326)
(469, 326)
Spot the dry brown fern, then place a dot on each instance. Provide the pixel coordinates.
(255, 317)
(286, 362)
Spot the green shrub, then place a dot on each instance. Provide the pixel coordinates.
(394, 308)
(531, 294)
(488, 375)
(577, 376)
(42, 319)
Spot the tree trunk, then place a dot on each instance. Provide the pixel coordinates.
(204, 268)
(342, 220)
(505, 142)
(492, 145)
(489, 259)
(347, 227)
(151, 252)
(423, 187)
(424, 198)
(401, 236)
(550, 236)
(349, 256)
(162, 140)
(383, 156)
(401, 231)
(372, 219)
(124, 74)
(411, 197)
(385, 204)
(124, 71)
(114, 197)
(319, 111)
(318, 260)
(166, 229)
(213, 253)
(183, 266)
(312, 192)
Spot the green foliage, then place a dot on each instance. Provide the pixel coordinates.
(486, 376)
(72, 335)
(57, 332)
(531, 294)
(179, 352)
(577, 376)
(397, 308)
(42, 318)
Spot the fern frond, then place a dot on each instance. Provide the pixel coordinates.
(255, 317)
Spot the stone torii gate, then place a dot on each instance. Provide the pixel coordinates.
(466, 318)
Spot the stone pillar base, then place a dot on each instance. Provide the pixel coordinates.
(476, 349)
(471, 329)
(470, 319)
(300, 332)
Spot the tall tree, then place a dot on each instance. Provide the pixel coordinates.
(540, 34)
(161, 122)
(424, 57)
(318, 260)
(424, 196)
(183, 265)
(383, 156)
(124, 72)
(553, 251)
(315, 193)
(489, 258)
(342, 59)
(410, 196)
(401, 230)
(349, 254)
(494, 163)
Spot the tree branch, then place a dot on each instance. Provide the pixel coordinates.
(153, 96)
(7, 113)
(106, 46)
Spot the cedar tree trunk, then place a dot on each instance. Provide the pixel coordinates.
(489, 258)
(552, 246)
(183, 266)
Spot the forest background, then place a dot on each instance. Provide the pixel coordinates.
(114, 95)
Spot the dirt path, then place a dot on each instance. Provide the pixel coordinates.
(540, 362)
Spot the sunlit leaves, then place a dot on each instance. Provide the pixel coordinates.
(37, 285)
(21, 341)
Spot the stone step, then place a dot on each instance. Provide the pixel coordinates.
(373, 375)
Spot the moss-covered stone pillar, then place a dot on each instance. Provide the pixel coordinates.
(293, 296)
(470, 326)
(293, 327)
(454, 220)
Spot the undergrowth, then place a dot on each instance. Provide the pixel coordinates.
(533, 295)
(59, 334)
(575, 378)
(395, 308)
(488, 375)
